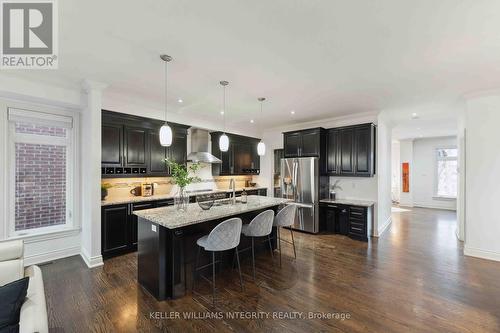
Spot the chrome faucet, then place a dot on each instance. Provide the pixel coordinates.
(232, 187)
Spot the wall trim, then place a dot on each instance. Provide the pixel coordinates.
(479, 253)
(51, 255)
(424, 205)
(91, 262)
(382, 229)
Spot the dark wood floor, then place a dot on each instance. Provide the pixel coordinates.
(413, 279)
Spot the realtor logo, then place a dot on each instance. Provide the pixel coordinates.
(29, 34)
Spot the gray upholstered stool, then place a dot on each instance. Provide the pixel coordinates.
(285, 218)
(225, 236)
(260, 226)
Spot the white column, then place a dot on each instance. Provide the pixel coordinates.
(384, 148)
(91, 173)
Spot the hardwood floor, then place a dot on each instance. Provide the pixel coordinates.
(413, 279)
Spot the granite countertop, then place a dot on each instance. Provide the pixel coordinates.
(352, 202)
(171, 218)
(155, 197)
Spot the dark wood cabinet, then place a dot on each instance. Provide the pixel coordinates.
(346, 151)
(352, 221)
(135, 147)
(240, 159)
(278, 155)
(112, 148)
(158, 154)
(114, 229)
(133, 221)
(131, 146)
(291, 144)
(332, 165)
(351, 151)
(119, 226)
(305, 143)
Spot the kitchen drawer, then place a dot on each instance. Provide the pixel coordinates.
(358, 228)
(164, 203)
(357, 212)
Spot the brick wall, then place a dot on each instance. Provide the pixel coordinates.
(40, 183)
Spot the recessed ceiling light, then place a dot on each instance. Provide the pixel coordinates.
(421, 136)
(180, 100)
(292, 112)
(251, 120)
(222, 113)
(418, 128)
(414, 115)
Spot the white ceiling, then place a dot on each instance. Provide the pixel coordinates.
(320, 58)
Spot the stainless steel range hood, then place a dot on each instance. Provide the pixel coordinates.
(199, 147)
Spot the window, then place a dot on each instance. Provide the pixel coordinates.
(40, 169)
(446, 172)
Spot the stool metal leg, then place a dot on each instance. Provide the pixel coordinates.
(253, 258)
(195, 270)
(279, 241)
(270, 246)
(239, 268)
(213, 278)
(293, 242)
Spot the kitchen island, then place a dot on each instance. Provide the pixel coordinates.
(167, 241)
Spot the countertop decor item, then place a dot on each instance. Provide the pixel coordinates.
(104, 190)
(180, 174)
(205, 201)
(335, 186)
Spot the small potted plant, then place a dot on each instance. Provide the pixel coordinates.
(104, 190)
(335, 186)
(181, 176)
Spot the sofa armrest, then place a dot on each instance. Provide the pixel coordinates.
(10, 250)
(34, 310)
(11, 261)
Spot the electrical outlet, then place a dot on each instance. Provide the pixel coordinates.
(153, 227)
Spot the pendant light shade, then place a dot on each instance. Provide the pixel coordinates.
(224, 139)
(261, 149)
(165, 130)
(165, 135)
(224, 142)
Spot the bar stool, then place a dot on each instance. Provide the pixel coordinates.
(225, 236)
(285, 218)
(260, 226)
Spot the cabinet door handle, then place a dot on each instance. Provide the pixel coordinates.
(332, 206)
(344, 210)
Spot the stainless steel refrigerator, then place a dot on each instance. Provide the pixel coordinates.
(301, 181)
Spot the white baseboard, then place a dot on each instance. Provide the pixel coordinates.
(483, 254)
(431, 206)
(382, 229)
(91, 262)
(51, 255)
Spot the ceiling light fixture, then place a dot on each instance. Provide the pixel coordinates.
(292, 112)
(180, 100)
(261, 147)
(414, 115)
(224, 140)
(165, 130)
(251, 121)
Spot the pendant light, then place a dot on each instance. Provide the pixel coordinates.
(165, 130)
(224, 140)
(261, 147)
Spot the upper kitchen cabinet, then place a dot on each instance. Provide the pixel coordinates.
(131, 146)
(305, 143)
(351, 151)
(112, 149)
(241, 157)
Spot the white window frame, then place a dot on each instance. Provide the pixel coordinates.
(436, 180)
(72, 182)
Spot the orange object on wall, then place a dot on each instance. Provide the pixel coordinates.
(406, 177)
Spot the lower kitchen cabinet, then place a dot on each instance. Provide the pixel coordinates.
(352, 221)
(119, 226)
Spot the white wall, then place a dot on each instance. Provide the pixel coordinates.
(424, 173)
(406, 156)
(482, 223)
